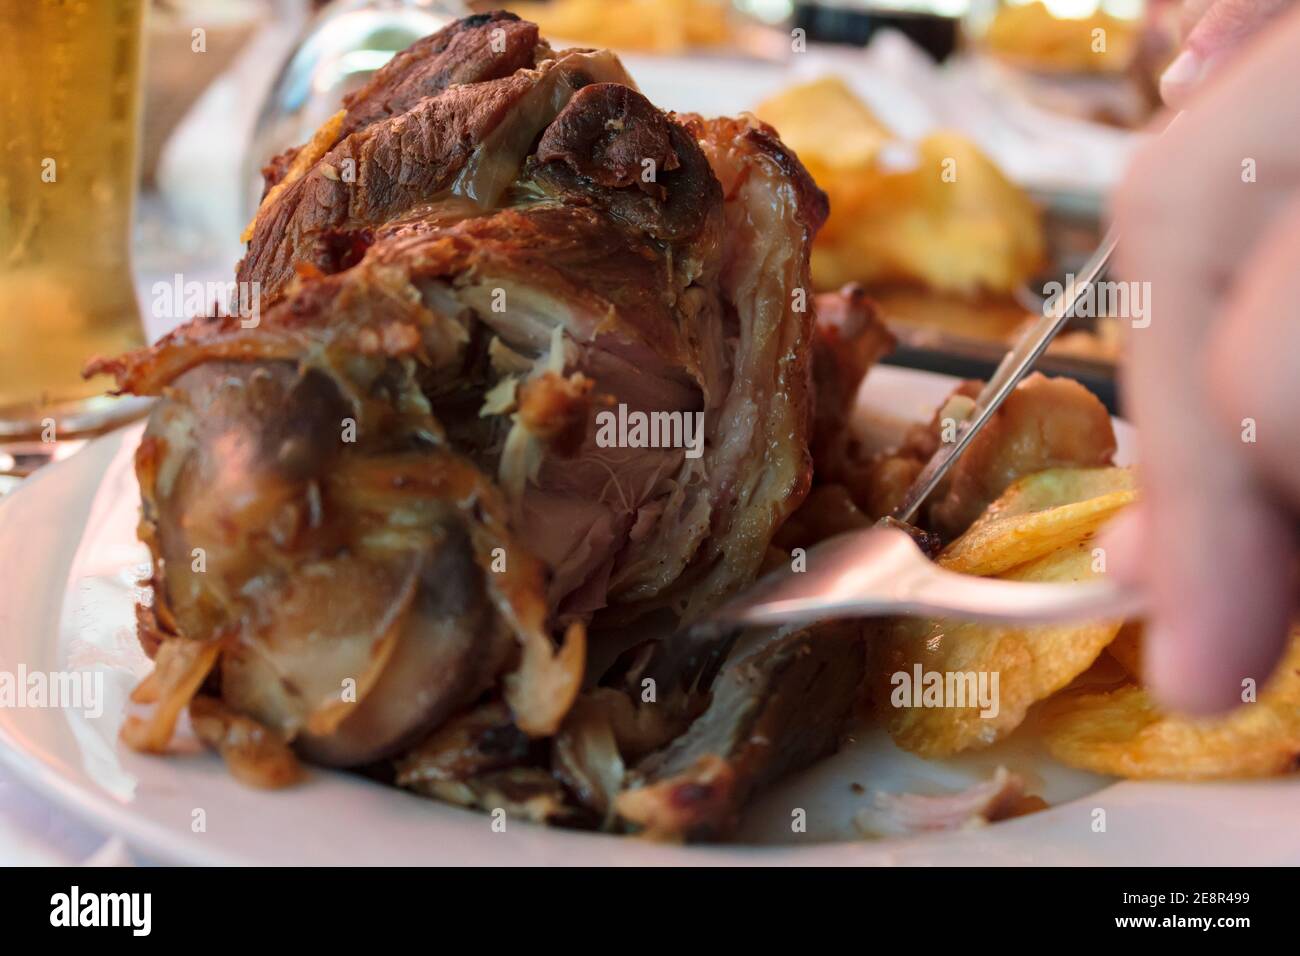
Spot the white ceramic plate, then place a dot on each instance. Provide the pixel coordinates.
(68, 565)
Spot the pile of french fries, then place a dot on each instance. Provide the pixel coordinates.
(1029, 35)
(650, 26)
(948, 219)
(1043, 528)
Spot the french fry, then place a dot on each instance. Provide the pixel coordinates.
(1038, 514)
(1123, 733)
(952, 221)
(1030, 664)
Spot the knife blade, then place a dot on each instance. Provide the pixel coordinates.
(1013, 367)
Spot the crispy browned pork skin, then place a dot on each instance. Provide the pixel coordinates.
(383, 518)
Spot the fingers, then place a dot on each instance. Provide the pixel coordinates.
(1223, 601)
(1197, 669)
(1219, 29)
(1254, 369)
(1214, 552)
(1214, 542)
(1122, 541)
(1190, 14)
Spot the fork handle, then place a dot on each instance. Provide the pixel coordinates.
(936, 592)
(946, 593)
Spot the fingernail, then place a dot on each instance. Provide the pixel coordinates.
(1181, 77)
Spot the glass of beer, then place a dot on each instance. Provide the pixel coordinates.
(69, 130)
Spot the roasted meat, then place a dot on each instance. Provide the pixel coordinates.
(779, 705)
(384, 513)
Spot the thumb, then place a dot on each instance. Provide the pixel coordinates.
(1195, 664)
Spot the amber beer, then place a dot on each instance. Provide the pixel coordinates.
(69, 112)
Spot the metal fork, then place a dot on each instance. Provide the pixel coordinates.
(881, 571)
(876, 572)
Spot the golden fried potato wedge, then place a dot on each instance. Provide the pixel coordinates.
(825, 123)
(1060, 486)
(954, 222)
(654, 26)
(1038, 514)
(1029, 664)
(1123, 733)
(950, 221)
(1031, 36)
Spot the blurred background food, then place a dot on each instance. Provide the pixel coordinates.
(1032, 36)
(656, 26)
(179, 64)
(937, 213)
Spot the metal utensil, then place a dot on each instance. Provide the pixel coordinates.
(878, 571)
(1017, 362)
(339, 50)
(881, 571)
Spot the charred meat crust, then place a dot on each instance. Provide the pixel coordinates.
(680, 202)
(753, 134)
(475, 49)
(450, 155)
(392, 166)
(614, 137)
(487, 46)
(814, 204)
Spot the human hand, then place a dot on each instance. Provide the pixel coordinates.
(1209, 216)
